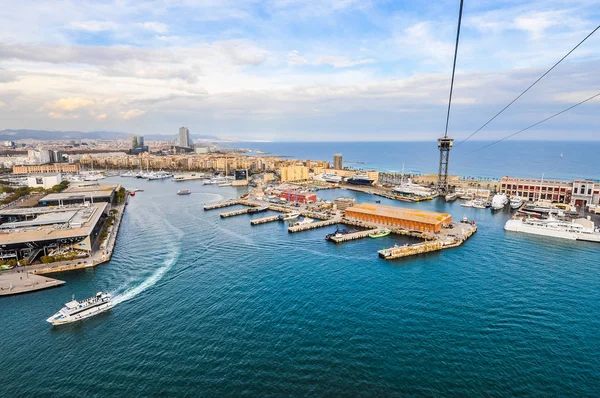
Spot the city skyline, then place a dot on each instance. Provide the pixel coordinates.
(339, 70)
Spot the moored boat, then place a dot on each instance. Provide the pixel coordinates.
(184, 192)
(380, 234)
(499, 201)
(516, 202)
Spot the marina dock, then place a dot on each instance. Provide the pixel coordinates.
(314, 225)
(222, 204)
(353, 236)
(235, 213)
(264, 220)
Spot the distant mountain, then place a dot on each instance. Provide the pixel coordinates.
(13, 135)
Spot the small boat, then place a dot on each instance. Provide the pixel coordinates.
(451, 197)
(478, 204)
(378, 201)
(467, 204)
(380, 234)
(132, 193)
(184, 192)
(77, 310)
(464, 219)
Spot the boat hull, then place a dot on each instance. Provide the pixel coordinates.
(518, 226)
(59, 319)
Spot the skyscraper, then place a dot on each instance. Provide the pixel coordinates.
(337, 161)
(184, 137)
(134, 142)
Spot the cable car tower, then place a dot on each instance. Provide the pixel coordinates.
(445, 143)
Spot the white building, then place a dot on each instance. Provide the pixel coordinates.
(42, 156)
(184, 137)
(45, 181)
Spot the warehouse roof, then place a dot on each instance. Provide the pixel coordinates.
(422, 216)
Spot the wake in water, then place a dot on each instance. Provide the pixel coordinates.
(149, 282)
(172, 256)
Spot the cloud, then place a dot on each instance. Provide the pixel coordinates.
(242, 52)
(68, 104)
(294, 58)
(59, 115)
(93, 26)
(157, 27)
(98, 116)
(132, 113)
(342, 62)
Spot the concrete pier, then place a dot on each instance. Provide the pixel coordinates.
(21, 282)
(410, 250)
(353, 236)
(264, 220)
(222, 204)
(313, 225)
(234, 213)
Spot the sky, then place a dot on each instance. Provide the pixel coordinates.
(297, 70)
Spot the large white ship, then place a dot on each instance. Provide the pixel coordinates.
(331, 177)
(580, 229)
(411, 189)
(77, 310)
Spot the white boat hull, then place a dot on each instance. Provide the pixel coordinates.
(519, 226)
(60, 319)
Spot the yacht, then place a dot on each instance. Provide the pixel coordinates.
(412, 190)
(128, 174)
(77, 310)
(573, 230)
(289, 216)
(468, 203)
(188, 177)
(360, 179)
(331, 177)
(159, 175)
(516, 202)
(479, 204)
(452, 196)
(499, 201)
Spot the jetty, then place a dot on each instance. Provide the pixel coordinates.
(313, 225)
(353, 236)
(264, 220)
(222, 204)
(234, 213)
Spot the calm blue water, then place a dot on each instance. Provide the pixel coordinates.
(512, 158)
(212, 307)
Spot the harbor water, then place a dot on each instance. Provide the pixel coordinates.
(216, 307)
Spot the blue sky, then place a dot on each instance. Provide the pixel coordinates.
(297, 70)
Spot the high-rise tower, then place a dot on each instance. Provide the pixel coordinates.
(337, 161)
(184, 137)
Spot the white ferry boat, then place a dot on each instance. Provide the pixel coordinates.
(499, 201)
(574, 230)
(77, 310)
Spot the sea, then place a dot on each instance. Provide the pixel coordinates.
(216, 307)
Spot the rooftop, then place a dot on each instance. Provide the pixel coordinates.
(422, 216)
(76, 195)
(80, 224)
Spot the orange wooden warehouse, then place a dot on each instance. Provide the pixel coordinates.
(394, 217)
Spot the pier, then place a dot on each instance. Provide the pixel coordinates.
(222, 204)
(353, 236)
(313, 225)
(235, 213)
(410, 250)
(264, 220)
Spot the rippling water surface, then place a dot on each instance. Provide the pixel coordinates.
(211, 307)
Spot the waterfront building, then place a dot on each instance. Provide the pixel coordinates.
(337, 161)
(30, 232)
(577, 192)
(45, 181)
(399, 217)
(298, 196)
(293, 173)
(81, 193)
(184, 137)
(47, 168)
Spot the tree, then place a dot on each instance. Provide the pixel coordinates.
(121, 195)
